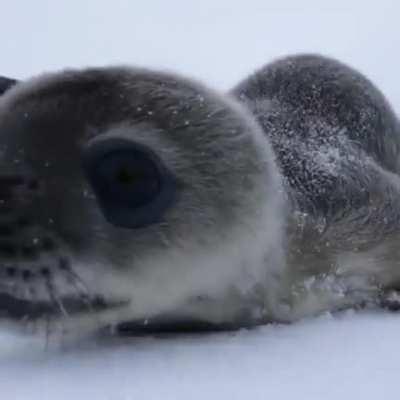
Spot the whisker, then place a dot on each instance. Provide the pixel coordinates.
(27, 288)
(81, 288)
(54, 296)
(28, 294)
(81, 293)
(78, 284)
(31, 323)
(65, 266)
(48, 331)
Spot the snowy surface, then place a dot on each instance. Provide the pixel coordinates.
(351, 356)
(348, 356)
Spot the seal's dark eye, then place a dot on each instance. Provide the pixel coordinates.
(129, 177)
(132, 185)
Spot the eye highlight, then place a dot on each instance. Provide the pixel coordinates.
(132, 185)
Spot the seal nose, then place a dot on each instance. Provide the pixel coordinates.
(17, 191)
(17, 194)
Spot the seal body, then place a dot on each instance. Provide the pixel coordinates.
(140, 198)
(336, 141)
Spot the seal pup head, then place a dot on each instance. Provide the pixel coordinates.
(128, 194)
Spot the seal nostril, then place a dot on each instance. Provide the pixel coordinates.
(48, 244)
(8, 250)
(26, 275)
(29, 252)
(45, 272)
(11, 272)
(6, 230)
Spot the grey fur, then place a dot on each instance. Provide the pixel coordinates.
(191, 265)
(337, 141)
(253, 237)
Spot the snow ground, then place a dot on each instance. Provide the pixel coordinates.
(347, 356)
(350, 356)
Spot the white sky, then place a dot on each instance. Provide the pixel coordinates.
(219, 41)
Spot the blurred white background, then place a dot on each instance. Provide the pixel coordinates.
(219, 41)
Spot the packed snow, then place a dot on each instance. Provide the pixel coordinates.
(342, 357)
(350, 355)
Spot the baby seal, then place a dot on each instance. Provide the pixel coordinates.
(120, 202)
(132, 198)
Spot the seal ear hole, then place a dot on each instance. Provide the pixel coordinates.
(131, 183)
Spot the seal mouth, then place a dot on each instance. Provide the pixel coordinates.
(50, 289)
(17, 309)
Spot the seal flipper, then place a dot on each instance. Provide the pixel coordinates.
(6, 83)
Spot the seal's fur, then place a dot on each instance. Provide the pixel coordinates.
(336, 141)
(288, 203)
